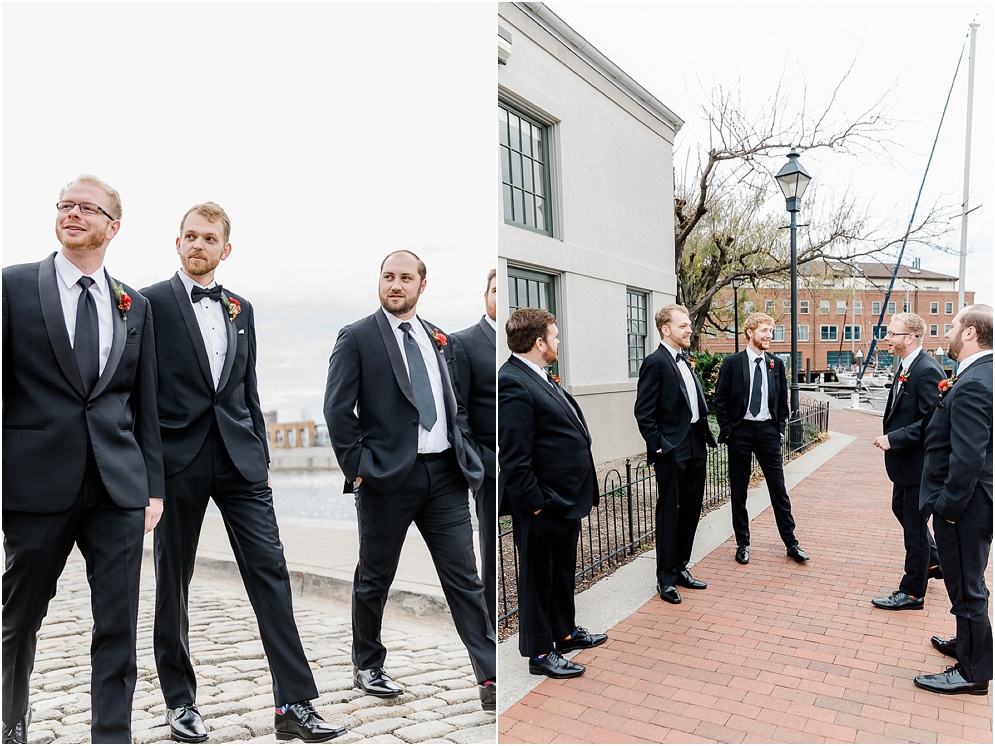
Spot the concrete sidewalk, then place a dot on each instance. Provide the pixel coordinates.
(771, 652)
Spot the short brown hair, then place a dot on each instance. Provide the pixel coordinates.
(754, 320)
(422, 269)
(525, 326)
(979, 316)
(213, 212)
(666, 314)
(490, 276)
(113, 198)
(913, 322)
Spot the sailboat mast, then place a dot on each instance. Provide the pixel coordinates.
(967, 170)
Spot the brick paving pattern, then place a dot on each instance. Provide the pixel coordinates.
(440, 703)
(773, 651)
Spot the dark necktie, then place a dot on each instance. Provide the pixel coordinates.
(757, 386)
(419, 379)
(198, 293)
(86, 344)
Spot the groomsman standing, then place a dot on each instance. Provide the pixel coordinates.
(475, 354)
(672, 416)
(751, 406)
(401, 439)
(912, 395)
(549, 483)
(82, 460)
(957, 491)
(214, 443)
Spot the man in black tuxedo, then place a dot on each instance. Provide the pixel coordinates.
(957, 490)
(549, 483)
(751, 406)
(402, 441)
(82, 460)
(672, 416)
(475, 355)
(912, 395)
(214, 445)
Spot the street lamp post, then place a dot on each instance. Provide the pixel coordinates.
(793, 180)
(736, 282)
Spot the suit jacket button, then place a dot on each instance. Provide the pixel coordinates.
(89, 406)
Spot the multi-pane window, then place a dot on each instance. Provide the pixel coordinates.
(884, 359)
(769, 307)
(934, 308)
(841, 307)
(906, 307)
(948, 308)
(528, 289)
(880, 331)
(524, 170)
(803, 332)
(858, 308)
(875, 308)
(778, 335)
(851, 332)
(947, 328)
(837, 359)
(786, 305)
(823, 307)
(802, 306)
(891, 307)
(828, 332)
(748, 306)
(934, 330)
(637, 329)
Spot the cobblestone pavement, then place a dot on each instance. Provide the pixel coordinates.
(440, 703)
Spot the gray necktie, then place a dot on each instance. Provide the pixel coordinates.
(757, 385)
(86, 344)
(419, 379)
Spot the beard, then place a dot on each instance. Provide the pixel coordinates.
(398, 305)
(89, 241)
(954, 350)
(199, 269)
(549, 356)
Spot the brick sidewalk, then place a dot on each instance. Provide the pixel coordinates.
(773, 651)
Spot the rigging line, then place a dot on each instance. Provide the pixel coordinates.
(915, 208)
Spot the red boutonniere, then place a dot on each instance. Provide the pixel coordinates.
(234, 307)
(946, 384)
(770, 363)
(439, 338)
(904, 379)
(691, 362)
(123, 301)
(558, 380)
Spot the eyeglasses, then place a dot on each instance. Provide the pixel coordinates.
(87, 208)
(900, 334)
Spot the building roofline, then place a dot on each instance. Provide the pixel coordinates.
(563, 32)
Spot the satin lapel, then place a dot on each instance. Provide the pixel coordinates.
(55, 323)
(889, 404)
(232, 331)
(772, 384)
(394, 355)
(747, 373)
(193, 328)
(490, 333)
(680, 378)
(561, 401)
(120, 336)
(448, 394)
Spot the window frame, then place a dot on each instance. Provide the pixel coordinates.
(505, 151)
(631, 293)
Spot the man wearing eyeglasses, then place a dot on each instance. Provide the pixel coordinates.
(82, 458)
(214, 446)
(912, 394)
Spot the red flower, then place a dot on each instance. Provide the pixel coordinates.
(123, 300)
(234, 307)
(557, 379)
(770, 363)
(945, 385)
(439, 338)
(904, 379)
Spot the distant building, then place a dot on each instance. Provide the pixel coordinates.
(839, 312)
(586, 205)
(291, 434)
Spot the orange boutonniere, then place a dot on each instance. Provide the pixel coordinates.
(439, 338)
(904, 379)
(770, 363)
(123, 301)
(946, 384)
(234, 307)
(558, 380)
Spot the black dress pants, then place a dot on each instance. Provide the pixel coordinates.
(434, 497)
(762, 439)
(485, 503)
(247, 510)
(920, 549)
(37, 546)
(680, 479)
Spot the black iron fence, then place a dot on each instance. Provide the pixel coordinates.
(623, 524)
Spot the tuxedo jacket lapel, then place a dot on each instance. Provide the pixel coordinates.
(772, 384)
(394, 355)
(55, 323)
(232, 332)
(562, 401)
(680, 378)
(193, 328)
(489, 332)
(120, 336)
(448, 394)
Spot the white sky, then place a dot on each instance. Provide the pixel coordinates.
(335, 133)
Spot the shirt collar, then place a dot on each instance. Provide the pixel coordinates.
(189, 283)
(533, 366)
(69, 273)
(490, 321)
(753, 355)
(976, 356)
(907, 362)
(673, 353)
(395, 322)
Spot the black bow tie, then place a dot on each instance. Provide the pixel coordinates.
(681, 356)
(197, 294)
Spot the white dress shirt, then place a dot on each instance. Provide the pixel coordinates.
(685, 371)
(212, 318)
(69, 293)
(905, 365)
(435, 440)
(764, 413)
(961, 367)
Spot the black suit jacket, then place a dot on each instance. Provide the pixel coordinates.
(188, 403)
(475, 356)
(662, 409)
(733, 389)
(957, 466)
(48, 420)
(903, 419)
(544, 447)
(371, 413)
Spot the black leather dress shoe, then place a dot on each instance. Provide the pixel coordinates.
(743, 555)
(375, 681)
(936, 572)
(951, 681)
(668, 593)
(685, 580)
(796, 553)
(19, 732)
(580, 640)
(186, 724)
(947, 647)
(301, 721)
(488, 696)
(555, 666)
(899, 601)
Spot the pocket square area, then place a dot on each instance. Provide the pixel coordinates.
(241, 331)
